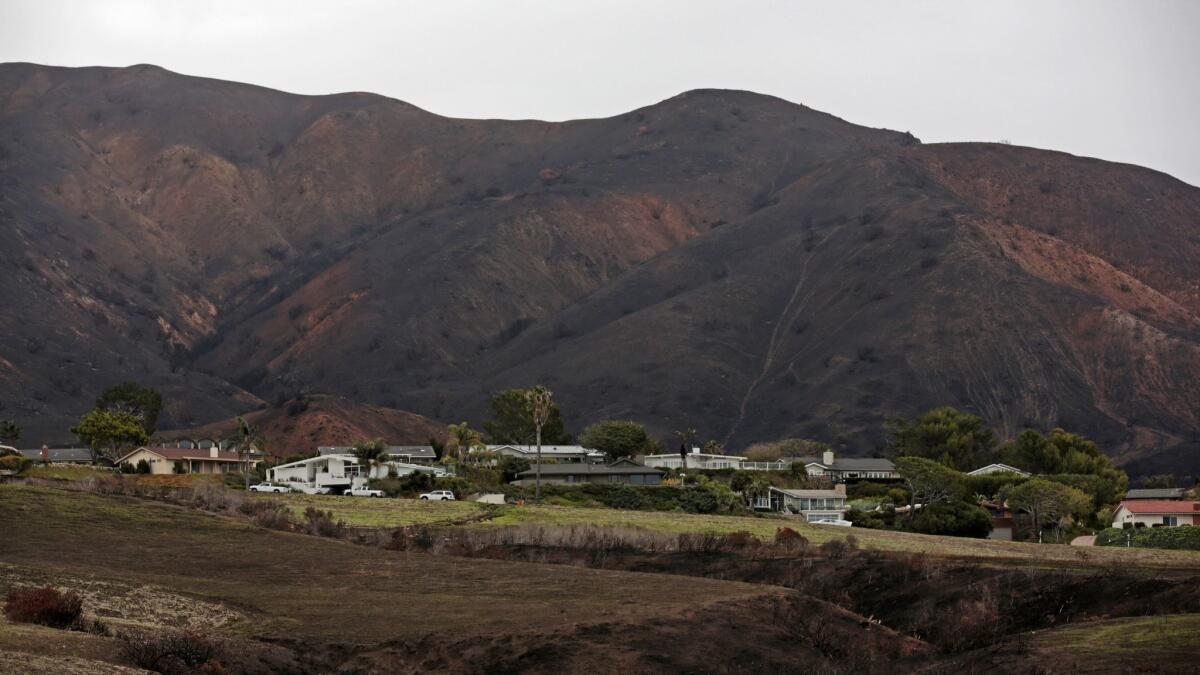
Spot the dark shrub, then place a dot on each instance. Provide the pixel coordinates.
(736, 541)
(173, 653)
(956, 519)
(44, 606)
(702, 542)
(268, 513)
(791, 540)
(142, 466)
(836, 549)
(322, 524)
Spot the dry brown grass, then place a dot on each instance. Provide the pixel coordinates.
(292, 585)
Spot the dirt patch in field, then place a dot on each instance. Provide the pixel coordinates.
(114, 602)
(29, 664)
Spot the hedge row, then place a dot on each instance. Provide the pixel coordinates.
(1184, 538)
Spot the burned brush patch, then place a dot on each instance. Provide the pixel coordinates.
(46, 606)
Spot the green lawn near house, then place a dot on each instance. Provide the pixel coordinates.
(65, 471)
(375, 512)
(765, 527)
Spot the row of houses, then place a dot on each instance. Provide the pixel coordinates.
(828, 465)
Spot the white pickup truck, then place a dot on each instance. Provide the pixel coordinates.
(438, 496)
(363, 492)
(269, 487)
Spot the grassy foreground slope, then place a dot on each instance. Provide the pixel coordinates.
(397, 512)
(294, 586)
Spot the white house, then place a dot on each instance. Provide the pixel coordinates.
(836, 469)
(695, 460)
(339, 472)
(997, 468)
(557, 453)
(815, 505)
(1156, 513)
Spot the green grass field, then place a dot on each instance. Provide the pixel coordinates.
(765, 527)
(64, 472)
(364, 512)
(1167, 643)
(370, 512)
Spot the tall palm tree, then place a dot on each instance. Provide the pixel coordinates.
(465, 438)
(247, 436)
(369, 453)
(540, 401)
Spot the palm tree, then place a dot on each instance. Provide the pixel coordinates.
(369, 453)
(247, 436)
(759, 486)
(539, 400)
(465, 438)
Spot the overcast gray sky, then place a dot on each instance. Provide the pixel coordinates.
(1115, 80)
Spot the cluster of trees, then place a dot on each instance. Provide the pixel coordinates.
(1074, 480)
(125, 415)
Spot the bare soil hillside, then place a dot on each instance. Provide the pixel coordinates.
(723, 260)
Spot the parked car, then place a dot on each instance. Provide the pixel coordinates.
(364, 492)
(438, 496)
(269, 487)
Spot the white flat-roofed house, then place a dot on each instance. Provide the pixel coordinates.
(695, 460)
(815, 505)
(339, 471)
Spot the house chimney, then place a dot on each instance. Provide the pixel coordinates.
(840, 488)
(827, 458)
(212, 452)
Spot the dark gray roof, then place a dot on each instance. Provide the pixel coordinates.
(60, 454)
(622, 468)
(811, 494)
(415, 451)
(847, 463)
(1155, 493)
(421, 451)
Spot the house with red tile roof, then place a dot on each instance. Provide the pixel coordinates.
(1156, 513)
(186, 460)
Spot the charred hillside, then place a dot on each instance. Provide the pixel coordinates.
(722, 259)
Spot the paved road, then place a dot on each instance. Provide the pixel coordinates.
(1085, 540)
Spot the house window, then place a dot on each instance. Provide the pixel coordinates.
(1171, 521)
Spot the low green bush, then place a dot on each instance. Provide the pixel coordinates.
(955, 519)
(15, 463)
(1185, 538)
